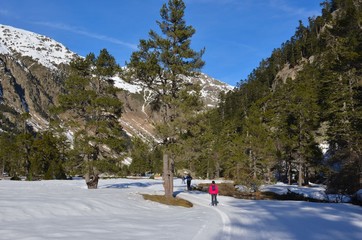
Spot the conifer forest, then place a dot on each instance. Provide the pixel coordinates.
(297, 118)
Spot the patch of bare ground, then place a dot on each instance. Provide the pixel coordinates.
(228, 189)
(173, 201)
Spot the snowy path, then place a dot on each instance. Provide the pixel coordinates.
(47, 210)
(202, 200)
(247, 219)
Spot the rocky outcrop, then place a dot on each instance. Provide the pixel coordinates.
(29, 87)
(289, 72)
(32, 69)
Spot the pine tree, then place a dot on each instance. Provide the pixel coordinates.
(46, 157)
(91, 109)
(162, 64)
(141, 161)
(296, 121)
(8, 155)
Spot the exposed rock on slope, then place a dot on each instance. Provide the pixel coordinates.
(31, 74)
(32, 71)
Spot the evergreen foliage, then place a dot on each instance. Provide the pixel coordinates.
(270, 128)
(38, 156)
(162, 64)
(91, 109)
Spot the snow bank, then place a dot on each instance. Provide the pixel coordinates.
(64, 210)
(313, 192)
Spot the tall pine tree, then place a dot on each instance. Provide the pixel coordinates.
(163, 63)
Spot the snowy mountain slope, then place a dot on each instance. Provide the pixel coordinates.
(32, 67)
(137, 118)
(50, 53)
(211, 87)
(32, 70)
(43, 49)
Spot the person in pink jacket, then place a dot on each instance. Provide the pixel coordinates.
(213, 190)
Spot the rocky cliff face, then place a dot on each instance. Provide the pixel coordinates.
(32, 71)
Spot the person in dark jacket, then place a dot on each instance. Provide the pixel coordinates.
(213, 190)
(188, 181)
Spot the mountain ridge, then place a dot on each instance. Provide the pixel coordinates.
(33, 68)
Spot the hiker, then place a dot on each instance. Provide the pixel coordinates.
(213, 190)
(188, 181)
(184, 178)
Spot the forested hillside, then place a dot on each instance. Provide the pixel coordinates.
(298, 116)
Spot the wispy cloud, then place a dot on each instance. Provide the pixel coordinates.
(87, 33)
(287, 8)
(4, 12)
(221, 2)
(8, 14)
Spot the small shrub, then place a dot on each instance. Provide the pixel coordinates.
(15, 178)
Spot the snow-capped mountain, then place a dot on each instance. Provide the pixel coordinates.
(33, 68)
(43, 49)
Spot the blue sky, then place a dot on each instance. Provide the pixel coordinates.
(237, 34)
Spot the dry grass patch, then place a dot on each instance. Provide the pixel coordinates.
(225, 189)
(173, 201)
(228, 189)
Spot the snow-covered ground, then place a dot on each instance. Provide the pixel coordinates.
(67, 210)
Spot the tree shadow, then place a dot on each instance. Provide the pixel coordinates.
(129, 185)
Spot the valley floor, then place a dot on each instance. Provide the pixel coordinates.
(44, 210)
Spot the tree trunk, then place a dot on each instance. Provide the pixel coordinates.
(208, 169)
(360, 176)
(2, 169)
(254, 168)
(300, 174)
(289, 173)
(167, 175)
(217, 168)
(92, 181)
(269, 174)
(306, 176)
(216, 173)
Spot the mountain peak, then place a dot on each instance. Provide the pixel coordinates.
(34, 90)
(45, 50)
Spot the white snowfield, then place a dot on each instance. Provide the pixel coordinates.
(67, 210)
(45, 50)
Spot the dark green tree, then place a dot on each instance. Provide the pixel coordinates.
(141, 157)
(46, 157)
(91, 110)
(9, 155)
(340, 92)
(297, 120)
(162, 64)
(24, 142)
